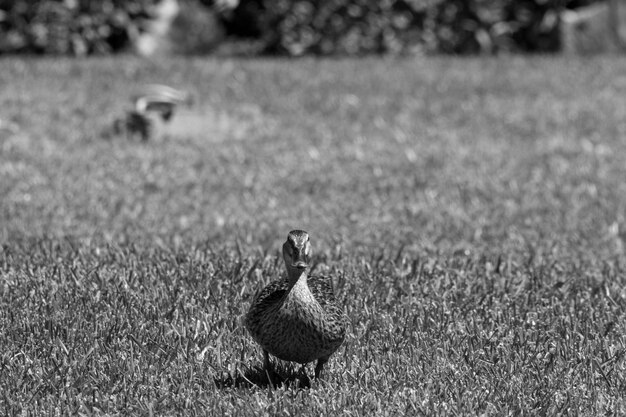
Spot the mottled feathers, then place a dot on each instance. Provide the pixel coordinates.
(297, 318)
(293, 327)
(320, 287)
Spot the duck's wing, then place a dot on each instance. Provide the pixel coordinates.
(322, 289)
(269, 295)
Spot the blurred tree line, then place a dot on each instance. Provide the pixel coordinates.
(292, 27)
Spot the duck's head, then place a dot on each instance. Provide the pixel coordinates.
(296, 251)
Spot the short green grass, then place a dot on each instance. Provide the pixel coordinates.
(471, 212)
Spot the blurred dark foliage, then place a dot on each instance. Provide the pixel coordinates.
(77, 27)
(332, 26)
(297, 27)
(328, 27)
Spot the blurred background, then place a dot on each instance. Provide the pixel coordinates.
(294, 28)
(447, 148)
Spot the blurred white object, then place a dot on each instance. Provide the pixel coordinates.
(597, 28)
(155, 36)
(184, 28)
(222, 5)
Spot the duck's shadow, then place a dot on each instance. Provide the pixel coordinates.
(281, 376)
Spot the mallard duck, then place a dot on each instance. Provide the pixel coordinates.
(297, 318)
(153, 107)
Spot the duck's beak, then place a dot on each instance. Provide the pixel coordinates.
(300, 265)
(300, 260)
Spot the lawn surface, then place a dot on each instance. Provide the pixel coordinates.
(471, 213)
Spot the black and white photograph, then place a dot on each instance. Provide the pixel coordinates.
(312, 208)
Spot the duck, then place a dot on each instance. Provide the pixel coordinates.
(297, 318)
(152, 108)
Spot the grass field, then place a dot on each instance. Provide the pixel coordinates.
(471, 211)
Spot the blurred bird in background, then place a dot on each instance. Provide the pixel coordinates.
(153, 107)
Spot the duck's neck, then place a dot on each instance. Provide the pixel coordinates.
(300, 290)
(297, 278)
